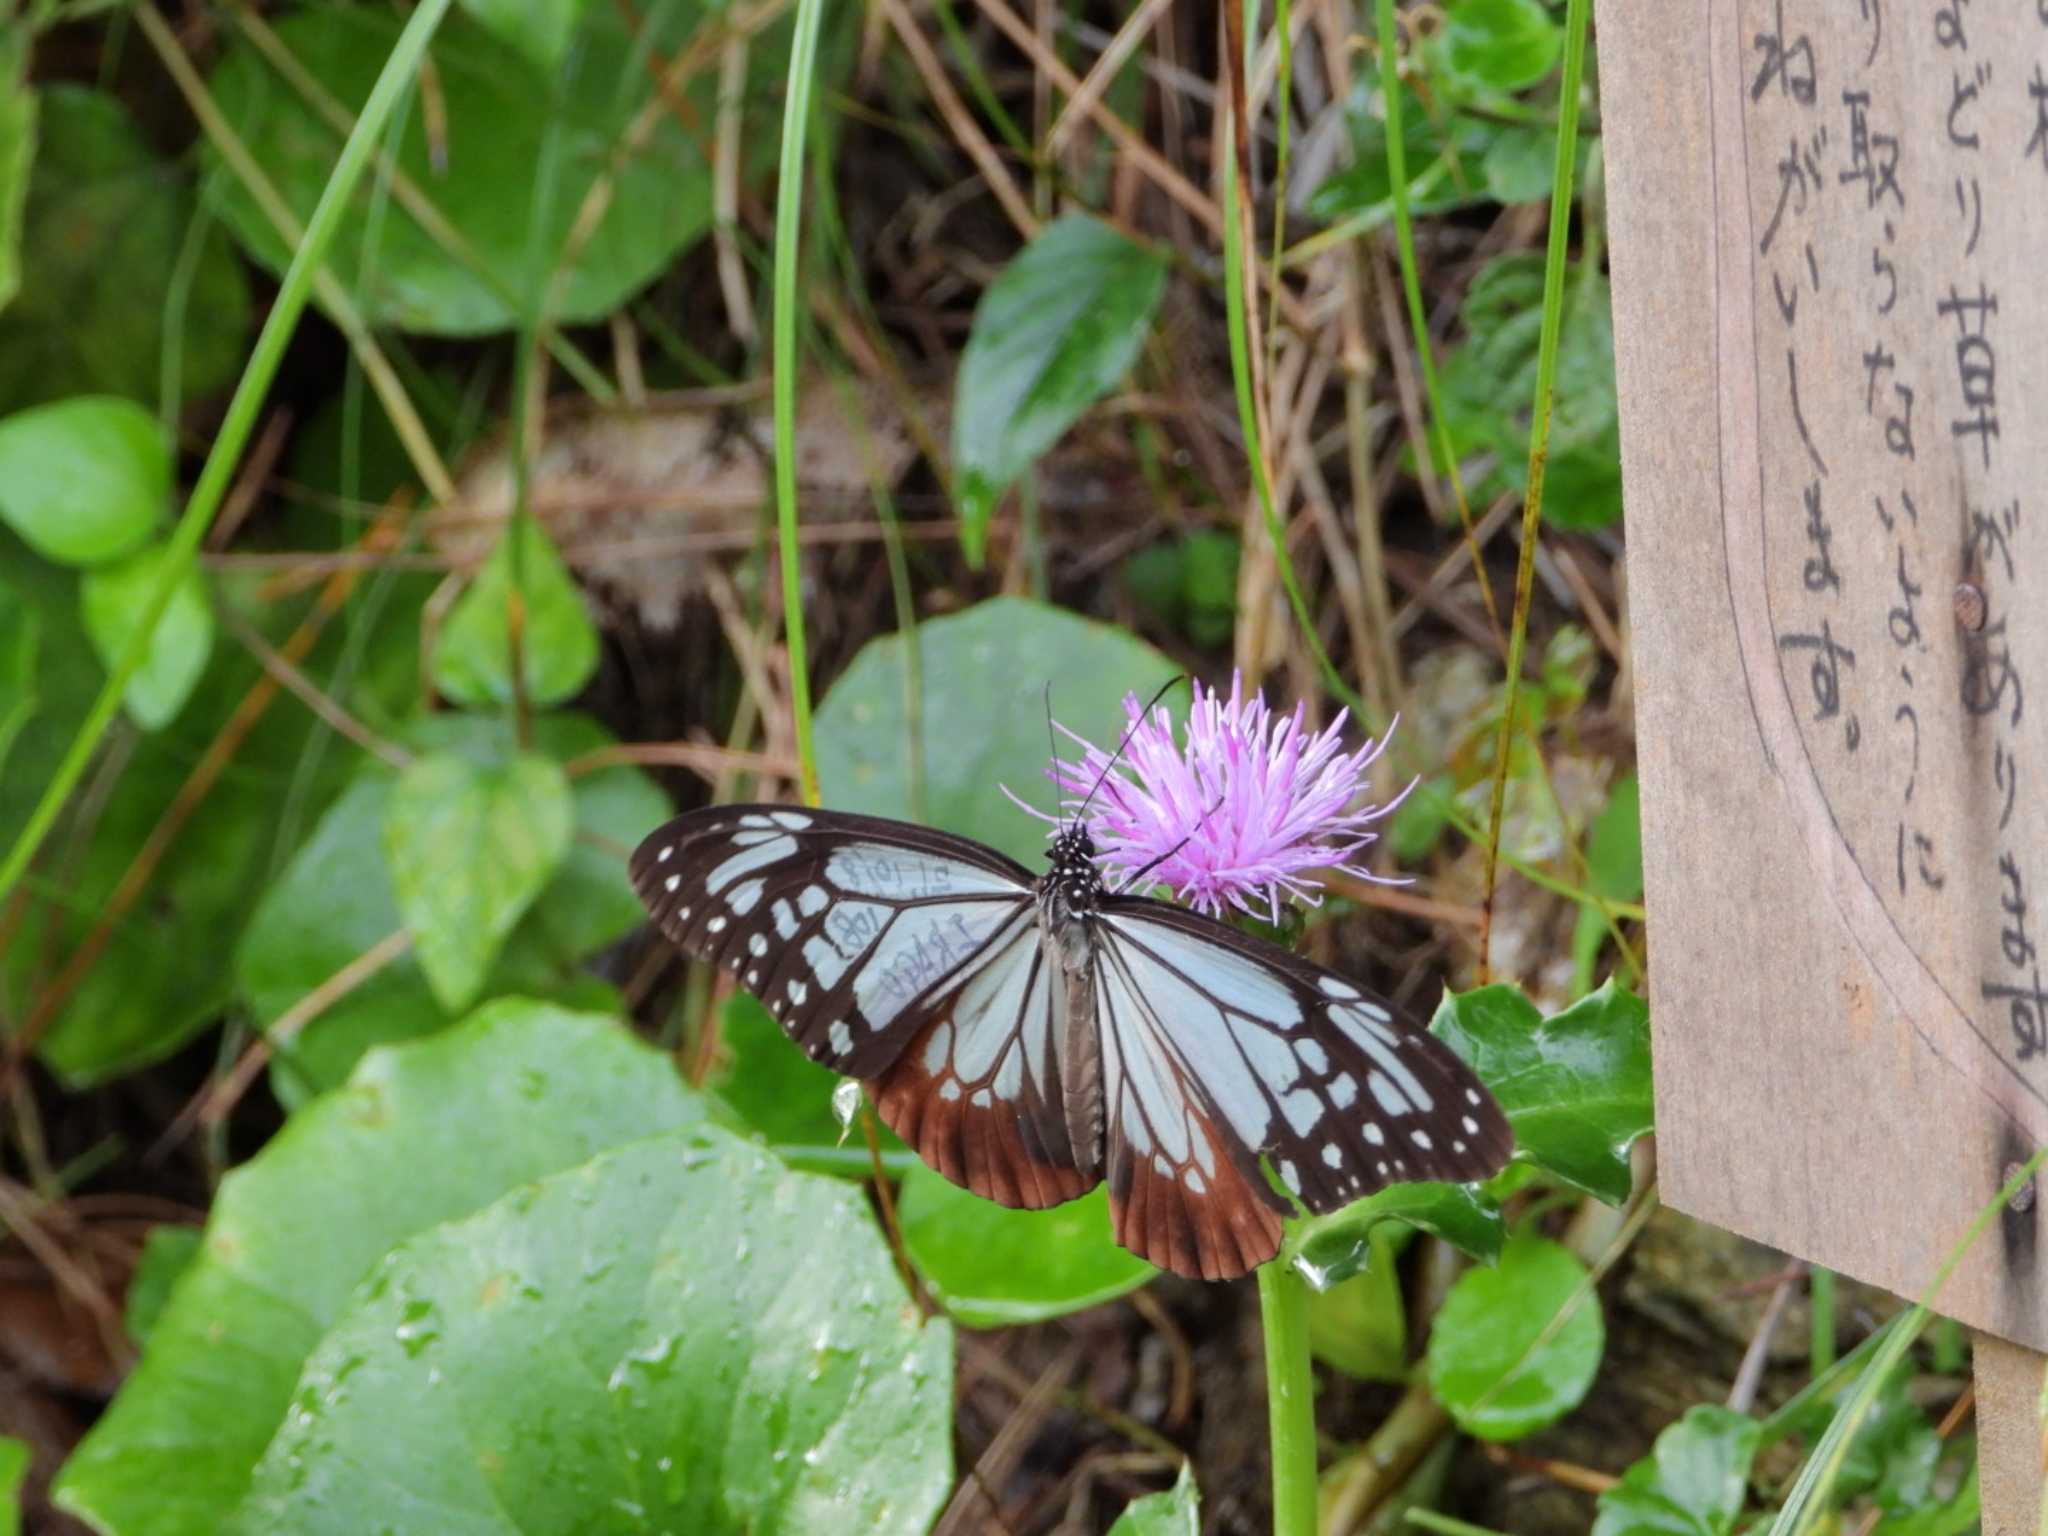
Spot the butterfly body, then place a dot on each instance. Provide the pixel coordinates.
(1031, 1038)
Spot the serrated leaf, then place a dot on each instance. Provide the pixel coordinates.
(1329, 1249)
(508, 151)
(423, 1134)
(333, 901)
(1575, 1086)
(110, 258)
(1056, 329)
(1176, 1512)
(1498, 1359)
(112, 599)
(993, 1267)
(679, 1335)
(469, 847)
(982, 716)
(85, 480)
(1691, 1484)
(558, 643)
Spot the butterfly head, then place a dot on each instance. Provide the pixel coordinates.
(1073, 871)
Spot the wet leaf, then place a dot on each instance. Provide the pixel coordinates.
(1489, 47)
(83, 481)
(680, 1335)
(775, 1091)
(1176, 1512)
(1691, 1484)
(1497, 1360)
(1360, 1325)
(104, 241)
(423, 1134)
(1575, 1086)
(992, 1267)
(333, 902)
(1059, 326)
(1332, 1248)
(166, 1254)
(558, 643)
(983, 717)
(509, 161)
(470, 846)
(112, 599)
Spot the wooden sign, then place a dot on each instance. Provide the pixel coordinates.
(1829, 224)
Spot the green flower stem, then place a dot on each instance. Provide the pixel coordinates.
(796, 123)
(221, 461)
(1290, 1399)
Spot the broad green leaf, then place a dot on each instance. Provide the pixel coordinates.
(1520, 163)
(1614, 869)
(1489, 47)
(112, 599)
(986, 672)
(540, 29)
(1445, 153)
(21, 630)
(469, 847)
(992, 1267)
(1575, 1086)
(423, 1134)
(1332, 1248)
(14, 1460)
(510, 159)
(1691, 1484)
(1498, 1361)
(17, 155)
(1360, 1326)
(83, 481)
(166, 1254)
(1176, 1512)
(108, 232)
(1056, 329)
(679, 1335)
(333, 902)
(558, 643)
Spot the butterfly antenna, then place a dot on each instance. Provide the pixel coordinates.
(1176, 848)
(1053, 748)
(1143, 715)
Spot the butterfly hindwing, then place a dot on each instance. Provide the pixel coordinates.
(1213, 1031)
(840, 924)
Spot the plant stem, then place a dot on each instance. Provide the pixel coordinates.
(1290, 1399)
(235, 427)
(796, 122)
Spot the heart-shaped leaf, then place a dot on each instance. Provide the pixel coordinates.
(557, 642)
(1332, 1248)
(112, 598)
(679, 1335)
(1691, 1484)
(1176, 1512)
(425, 1133)
(1575, 1086)
(1500, 1359)
(1056, 329)
(83, 481)
(982, 716)
(993, 1267)
(470, 846)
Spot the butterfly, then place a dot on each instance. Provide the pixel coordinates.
(1031, 1037)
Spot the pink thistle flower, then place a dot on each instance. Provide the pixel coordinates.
(1237, 814)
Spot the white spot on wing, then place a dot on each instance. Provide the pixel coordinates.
(744, 897)
(1471, 1126)
(1336, 987)
(841, 1037)
(748, 860)
(937, 1049)
(1344, 1091)
(1196, 1184)
(673, 881)
(793, 820)
(811, 900)
(662, 857)
(798, 992)
(1421, 1138)
(1314, 1057)
(1386, 1095)
(1290, 1176)
(1332, 1158)
(949, 1090)
(716, 925)
(1375, 1135)
(1302, 1109)
(785, 919)
(757, 944)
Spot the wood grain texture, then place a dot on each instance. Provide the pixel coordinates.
(1835, 1074)
(2008, 1435)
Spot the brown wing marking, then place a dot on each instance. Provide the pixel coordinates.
(1221, 1231)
